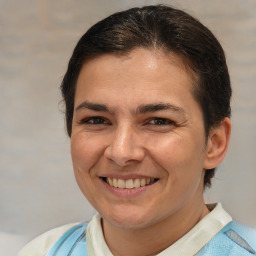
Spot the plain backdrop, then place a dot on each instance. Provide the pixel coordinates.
(37, 187)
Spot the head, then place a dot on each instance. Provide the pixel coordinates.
(171, 31)
(145, 118)
(167, 29)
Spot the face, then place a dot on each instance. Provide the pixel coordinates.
(138, 140)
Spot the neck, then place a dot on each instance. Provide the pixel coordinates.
(138, 242)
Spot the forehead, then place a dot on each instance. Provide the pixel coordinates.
(140, 63)
(141, 76)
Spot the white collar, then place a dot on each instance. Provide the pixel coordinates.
(194, 240)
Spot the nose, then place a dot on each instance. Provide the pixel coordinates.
(125, 147)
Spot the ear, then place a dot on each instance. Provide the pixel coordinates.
(217, 144)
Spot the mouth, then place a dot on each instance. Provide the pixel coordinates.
(129, 183)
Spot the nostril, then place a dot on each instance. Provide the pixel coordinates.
(124, 155)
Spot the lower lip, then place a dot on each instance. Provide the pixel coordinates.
(124, 192)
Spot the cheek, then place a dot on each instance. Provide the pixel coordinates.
(85, 151)
(85, 155)
(168, 148)
(180, 155)
(181, 158)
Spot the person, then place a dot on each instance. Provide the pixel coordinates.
(147, 95)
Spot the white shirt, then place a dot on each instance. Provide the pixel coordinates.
(194, 240)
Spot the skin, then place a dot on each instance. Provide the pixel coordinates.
(119, 132)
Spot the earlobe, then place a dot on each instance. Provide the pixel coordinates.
(217, 144)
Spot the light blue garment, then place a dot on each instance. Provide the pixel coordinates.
(232, 240)
(72, 243)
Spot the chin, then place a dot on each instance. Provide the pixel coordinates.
(128, 219)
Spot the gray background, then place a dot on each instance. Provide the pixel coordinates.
(37, 187)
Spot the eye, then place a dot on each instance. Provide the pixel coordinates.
(160, 121)
(96, 120)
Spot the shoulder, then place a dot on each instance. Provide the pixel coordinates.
(242, 236)
(40, 245)
(233, 240)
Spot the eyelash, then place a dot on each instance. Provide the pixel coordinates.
(161, 121)
(97, 120)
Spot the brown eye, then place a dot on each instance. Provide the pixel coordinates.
(160, 121)
(95, 120)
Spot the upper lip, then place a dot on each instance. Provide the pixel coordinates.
(128, 176)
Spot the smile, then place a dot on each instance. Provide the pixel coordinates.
(129, 183)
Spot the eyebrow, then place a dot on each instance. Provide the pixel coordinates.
(147, 108)
(141, 109)
(93, 106)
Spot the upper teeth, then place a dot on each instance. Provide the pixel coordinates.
(130, 183)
